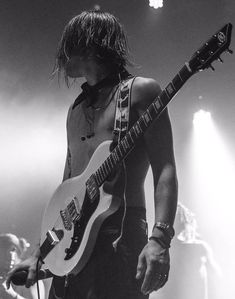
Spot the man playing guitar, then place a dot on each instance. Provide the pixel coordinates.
(124, 263)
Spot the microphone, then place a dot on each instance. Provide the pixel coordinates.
(19, 278)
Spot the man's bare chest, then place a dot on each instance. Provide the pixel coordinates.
(87, 128)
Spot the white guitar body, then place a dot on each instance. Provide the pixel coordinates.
(64, 194)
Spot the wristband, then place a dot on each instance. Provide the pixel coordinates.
(166, 228)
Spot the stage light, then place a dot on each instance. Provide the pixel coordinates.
(202, 118)
(156, 3)
(212, 187)
(211, 156)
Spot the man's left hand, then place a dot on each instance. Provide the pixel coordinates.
(153, 266)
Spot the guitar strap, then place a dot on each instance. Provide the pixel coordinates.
(121, 125)
(122, 112)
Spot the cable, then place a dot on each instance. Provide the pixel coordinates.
(37, 270)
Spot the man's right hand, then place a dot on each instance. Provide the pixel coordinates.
(30, 265)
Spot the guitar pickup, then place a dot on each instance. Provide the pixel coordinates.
(92, 188)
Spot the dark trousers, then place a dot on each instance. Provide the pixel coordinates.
(109, 273)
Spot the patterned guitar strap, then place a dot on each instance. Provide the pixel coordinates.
(121, 122)
(121, 125)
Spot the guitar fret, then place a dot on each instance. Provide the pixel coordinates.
(110, 161)
(98, 175)
(143, 118)
(159, 101)
(125, 143)
(177, 82)
(105, 169)
(142, 124)
(130, 134)
(102, 172)
(180, 76)
(165, 97)
(157, 105)
(184, 73)
(115, 156)
(155, 108)
(147, 118)
(118, 157)
(135, 131)
(173, 86)
(98, 178)
(149, 115)
(114, 159)
(128, 141)
(122, 147)
(119, 149)
(138, 128)
(107, 164)
(169, 90)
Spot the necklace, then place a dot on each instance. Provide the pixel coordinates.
(90, 114)
(111, 95)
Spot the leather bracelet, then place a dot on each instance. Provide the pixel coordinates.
(166, 228)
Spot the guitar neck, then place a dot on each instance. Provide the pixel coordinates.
(125, 146)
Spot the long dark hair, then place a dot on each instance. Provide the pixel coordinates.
(93, 33)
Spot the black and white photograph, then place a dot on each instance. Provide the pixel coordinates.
(117, 142)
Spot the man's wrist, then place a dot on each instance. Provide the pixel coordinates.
(164, 227)
(161, 242)
(162, 233)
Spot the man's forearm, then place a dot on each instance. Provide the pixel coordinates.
(165, 206)
(166, 194)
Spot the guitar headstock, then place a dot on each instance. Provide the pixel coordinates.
(212, 50)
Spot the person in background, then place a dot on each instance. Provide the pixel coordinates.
(12, 251)
(195, 273)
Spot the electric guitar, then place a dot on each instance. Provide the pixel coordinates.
(79, 205)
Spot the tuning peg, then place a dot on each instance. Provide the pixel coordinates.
(230, 51)
(213, 69)
(220, 60)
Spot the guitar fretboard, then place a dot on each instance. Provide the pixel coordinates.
(141, 125)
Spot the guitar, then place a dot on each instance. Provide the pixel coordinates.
(79, 205)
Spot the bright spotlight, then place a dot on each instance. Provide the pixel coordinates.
(202, 119)
(213, 165)
(212, 192)
(156, 3)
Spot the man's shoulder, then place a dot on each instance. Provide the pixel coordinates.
(146, 83)
(145, 90)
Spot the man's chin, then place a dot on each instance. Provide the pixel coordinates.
(71, 72)
(73, 75)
